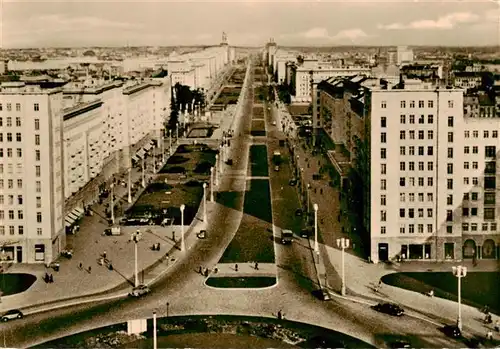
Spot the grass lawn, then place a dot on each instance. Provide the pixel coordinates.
(258, 112)
(15, 283)
(244, 282)
(155, 199)
(258, 161)
(254, 239)
(191, 159)
(478, 288)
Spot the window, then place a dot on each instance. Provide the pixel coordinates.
(402, 181)
(402, 119)
(489, 198)
(486, 134)
(484, 227)
(411, 165)
(450, 104)
(430, 181)
(465, 226)
(383, 137)
(450, 153)
(430, 197)
(449, 215)
(465, 211)
(382, 230)
(383, 215)
(473, 211)
(402, 135)
(474, 165)
(412, 104)
(494, 134)
(449, 183)
(19, 199)
(9, 152)
(430, 104)
(402, 229)
(18, 121)
(38, 186)
(383, 184)
(420, 134)
(383, 104)
(430, 119)
(421, 104)
(450, 121)
(490, 182)
(383, 200)
(473, 227)
(11, 214)
(412, 134)
(9, 121)
(36, 107)
(402, 197)
(383, 121)
(383, 169)
(466, 180)
(420, 165)
(475, 180)
(421, 119)
(466, 196)
(12, 230)
(466, 150)
(420, 150)
(430, 150)
(19, 183)
(429, 228)
(489, 213)
(18, 137)
(420, 213)
(412, 119)
(9, 107)
(493, 226)
(37, 139)
(450, 137)
(402, 166)
(475, 149)
(402, 213)
(19, 153)
(383, 153)
(430, 166)
(449, 168)
(420, 228)
(411, 228)
(20, 214)
(403, 104)
(466, 134)
(39, 217)
(402, 151)
(9, 137)
(412, 181)
(420, 197)
(37, 171)
(490, 151)
(420, 181)
(10, 183)
(475, 133)
(37, 124)
(430, 134)
(37, 155)
(411, 213)
(449, 199)
(20, 230)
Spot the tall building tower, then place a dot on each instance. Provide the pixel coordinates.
(31, 173)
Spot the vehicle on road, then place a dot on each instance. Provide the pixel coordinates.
(12, 315)
(298, 212)
(306, 232)
(112, 231)
(292, 182)
(389, 308)
(276, 168)
(277, 158)
(452, 331)
(286, 236)
(274, 123)
(139, 291)
(399, 344)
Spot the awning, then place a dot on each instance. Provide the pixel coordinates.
(73, 216)
(69, 221)
(78, 211)
(153, 142)
(135, 158)
(147, 147)
(141, 153)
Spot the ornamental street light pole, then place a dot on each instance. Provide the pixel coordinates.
(183, 245)
(204, 202)
(155, 342)
(136, 237)
(129, 186)
(460, 272)
(343, 243)
(169, 143)
(307, 198)
(212, 184)
(162, 140)
(316, 249)
(143, 172)
(216, 169)
(112, 205)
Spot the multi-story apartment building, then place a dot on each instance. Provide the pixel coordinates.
(467, 80)
(31, 173)
(428, 173)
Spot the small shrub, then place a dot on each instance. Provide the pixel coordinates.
(203, 167)
(193, 183)
(183, 149)
(176, 169)
(158, 186)
(176, 159)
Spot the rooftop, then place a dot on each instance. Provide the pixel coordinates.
(18, 88)
(81, 108)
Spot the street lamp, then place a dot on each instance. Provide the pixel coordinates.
(204, 202)
(129, 185)
(302, 180)
(216, 169)
(177, 133)
(343, 243)
(111, 206)
(162, 146)
(307, 198)
(155, 343)
(136, 237)
(316, 249)
(212, 184)
(183, 245)
(169, 143)
(143, 172)
(460, 272)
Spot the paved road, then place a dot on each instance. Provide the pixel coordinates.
(184, 289)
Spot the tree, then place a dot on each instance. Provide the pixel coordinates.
(174, 114)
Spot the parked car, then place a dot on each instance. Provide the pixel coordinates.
(298, 212)
(305, 233)
(276, 168)
(292, 182)
(12, 315)
(452, 331)
(274, 122)
(139, 291)
(399, 344)
(389, 308)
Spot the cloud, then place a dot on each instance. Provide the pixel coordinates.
(321, 34)
(444, 22)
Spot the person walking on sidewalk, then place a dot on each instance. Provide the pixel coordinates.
(104, 254)
(236, 267)
(256, 266)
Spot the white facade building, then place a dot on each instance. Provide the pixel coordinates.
(31, 173)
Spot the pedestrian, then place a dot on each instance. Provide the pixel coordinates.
(51, 278)
(206, 272)
(321, 191)
(280, 315)
(46, 278)
(236, 267)
(256, 266)
(90, 269)
(80, 266)
(489, 335)
(216, 270)
(104, 255)
(200, 270)
(497, 326)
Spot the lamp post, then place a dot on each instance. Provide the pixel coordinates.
(112, 204)
(302, 180)
(307, 198)
(316, 249)
(155, 343)
(343, 243)
(204, 202)
(177, 133)
(169, 142)
(162, 139)
(460, 272)
(216, 169)
(136, 237)
(212, 184)
(183, 245)
(129, 186)
(143, 172)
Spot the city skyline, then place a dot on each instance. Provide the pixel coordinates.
(249, 23)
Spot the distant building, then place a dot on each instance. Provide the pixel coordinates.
(404, 55)
(467, 80)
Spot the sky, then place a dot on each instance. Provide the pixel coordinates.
(68, 23)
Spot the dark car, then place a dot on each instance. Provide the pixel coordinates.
(389, 308)
(399, 344)
(452, 331)
(12, 314)
(292, 182)
(298, 212)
